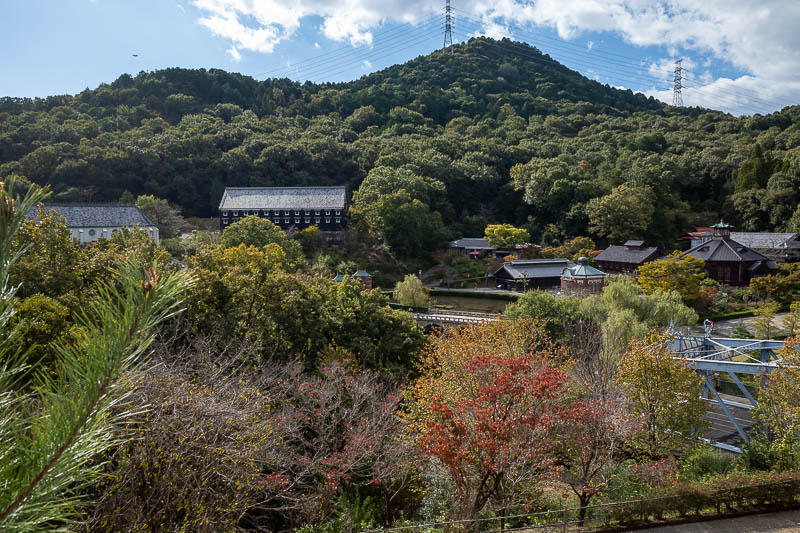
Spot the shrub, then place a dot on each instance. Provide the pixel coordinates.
(704, 461)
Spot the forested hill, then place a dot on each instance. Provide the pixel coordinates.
(497, 131)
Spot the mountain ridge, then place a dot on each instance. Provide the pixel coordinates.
(508, 137)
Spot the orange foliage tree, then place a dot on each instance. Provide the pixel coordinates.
(485, 408)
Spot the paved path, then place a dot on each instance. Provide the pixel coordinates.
(724, 328)
(783, 522)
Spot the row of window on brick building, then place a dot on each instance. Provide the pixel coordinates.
(276, 215)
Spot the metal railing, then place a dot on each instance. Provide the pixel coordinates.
(638, 512)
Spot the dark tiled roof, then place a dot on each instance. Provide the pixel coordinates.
(623, 254)
(536, 268)
(767, 240)
(97, 215)
(361, 274)
(472, 243)
(283, 198)
(724, 250)
(634, 243)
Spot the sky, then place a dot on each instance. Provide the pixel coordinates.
(738, 56)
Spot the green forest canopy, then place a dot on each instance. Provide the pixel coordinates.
(511, 135)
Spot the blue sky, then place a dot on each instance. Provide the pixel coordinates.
(739, 58)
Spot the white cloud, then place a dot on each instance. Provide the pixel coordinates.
(366, 64)
(758, 37)
(317, 46)
(235, 55)
(589, 45)
(181, 8)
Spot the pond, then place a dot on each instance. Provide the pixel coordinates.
(465, 303)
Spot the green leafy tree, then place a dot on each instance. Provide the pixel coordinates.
(53, 261)
(764, 321)
(259, 232)
(506, 235)
(792, 319)
(679, 272)
(779, 396)
(166, 216)
(43, 324)
(411, 292)
(409, 227)
(754, 172)
(552, 311)
(625, 312)
(663, 393)
(246, 293)
(623, 214)
(53, 432)
(311, 240)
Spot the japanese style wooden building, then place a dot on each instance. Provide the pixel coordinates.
(728, 261)
(524, 274)
(626, 259)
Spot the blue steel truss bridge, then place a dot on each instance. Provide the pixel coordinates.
(724, 363)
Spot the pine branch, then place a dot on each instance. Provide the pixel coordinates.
(54, 432)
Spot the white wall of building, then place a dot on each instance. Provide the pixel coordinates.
(84, 235)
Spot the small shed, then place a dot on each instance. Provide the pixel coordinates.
(525, 274)
(339, 278)
(582, 279)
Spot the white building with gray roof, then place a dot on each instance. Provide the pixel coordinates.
(90, 222)
(287, 207)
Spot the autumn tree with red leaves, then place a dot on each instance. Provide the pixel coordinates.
(496, 436)
(337, 429)
(589, 445)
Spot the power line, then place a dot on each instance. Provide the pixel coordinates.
(650, 79)
(324, 56)
(635, 75)
(353, 55)
(412, 43)
(633, 71)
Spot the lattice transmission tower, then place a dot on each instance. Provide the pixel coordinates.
(448, 27)
(677, 99)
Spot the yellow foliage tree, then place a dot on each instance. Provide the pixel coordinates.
(411, 292)
(682, 273)
(779, 396)
(663, 393)
(506, 235)
(763, 322)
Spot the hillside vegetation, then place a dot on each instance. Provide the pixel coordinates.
(497, 132)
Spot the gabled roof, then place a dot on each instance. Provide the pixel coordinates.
(767, 240)
(283, 198)
(472, 243)
(97, 215)
(535, 268)
(361, 274)
(718, 249)
(623, 254)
